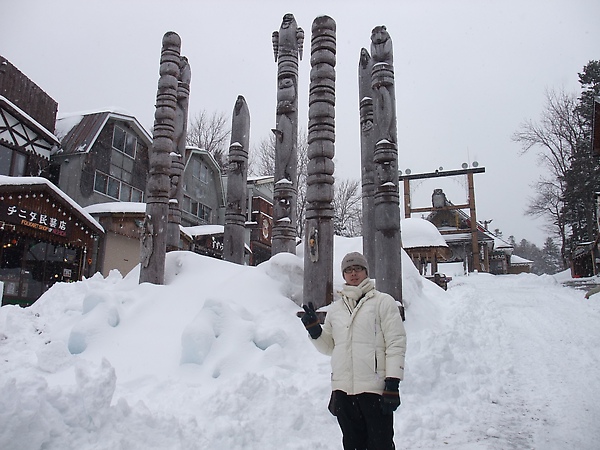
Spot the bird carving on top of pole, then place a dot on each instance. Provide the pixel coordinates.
(292, 37)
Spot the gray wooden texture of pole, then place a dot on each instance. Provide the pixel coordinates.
(318, 242)
(367, 147)
(154, 235)
(287, 47)
(178, 156)
(388, 242)
(237, 177)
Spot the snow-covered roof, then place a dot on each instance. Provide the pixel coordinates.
(517, 260)
(417, 232)
(261, 179)
(32, 129)
(39, 181)
(30, 119)
(116, 207)
(66, 121)
(66, 124)
(79, 131)
(500, 244)
(203, 230)
(140, 208)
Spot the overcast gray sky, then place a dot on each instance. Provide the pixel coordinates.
(467, 73)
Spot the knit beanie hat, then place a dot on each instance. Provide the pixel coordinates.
(354, 259)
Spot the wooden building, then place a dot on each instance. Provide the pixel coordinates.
(519, 265)
(119, 247)
(45, 238)
(424, 244)
(206, 240)
(460, 233)
(500, 257)
(259, 223)
(27, 117)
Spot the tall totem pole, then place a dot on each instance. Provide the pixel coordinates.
(154, 235)
(388, 242)
(367, 146)
(237, 176)
(318, 247)
(287, 46)
(178, 155)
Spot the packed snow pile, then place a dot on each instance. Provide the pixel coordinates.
(217, 359)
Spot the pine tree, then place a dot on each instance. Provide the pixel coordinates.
(551, 261)
(582, 178)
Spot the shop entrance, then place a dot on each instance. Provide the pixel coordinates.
(29, 267)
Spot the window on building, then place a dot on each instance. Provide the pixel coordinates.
(12, 162)
(200, 170)
(197, 209)
(117, 189)
(204, 212)
(124, 141)
(203, 173)
(121, 166)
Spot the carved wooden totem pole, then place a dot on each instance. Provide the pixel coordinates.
(367, 146)
(287, 46)
(318, 247)
(237, 176)
(178, 154)
(154, 234)
(388, 243)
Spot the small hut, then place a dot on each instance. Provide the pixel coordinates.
(424, 244)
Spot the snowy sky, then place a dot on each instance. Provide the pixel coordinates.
(467, 73)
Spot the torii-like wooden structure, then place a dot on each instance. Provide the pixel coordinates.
(408, 209)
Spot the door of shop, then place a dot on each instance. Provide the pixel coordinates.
(29, 267)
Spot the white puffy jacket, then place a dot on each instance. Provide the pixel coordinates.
(367, 343)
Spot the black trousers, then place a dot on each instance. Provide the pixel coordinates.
(363, 424)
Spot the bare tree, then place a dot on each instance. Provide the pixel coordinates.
(557, 133)
(262, 159)
(210, 132)
(549, 204)
(347, 200)
(556, 137)
(347, 203)
(262, 162)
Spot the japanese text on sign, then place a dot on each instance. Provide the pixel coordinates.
(33, 219)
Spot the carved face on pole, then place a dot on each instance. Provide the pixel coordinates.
(381, 45)
(379, 34)
(239, 103)
(286, 95)
(287, 20)
(364, 57)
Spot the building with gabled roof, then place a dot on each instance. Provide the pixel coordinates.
(45, 236)
(27, 116)
(455, 226)
(103, 157)
(203, 189)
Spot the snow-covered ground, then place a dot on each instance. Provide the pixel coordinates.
(217, 359)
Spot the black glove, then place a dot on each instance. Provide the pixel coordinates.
(391, 396)
(311, 321)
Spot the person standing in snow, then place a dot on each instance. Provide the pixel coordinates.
(365, 337)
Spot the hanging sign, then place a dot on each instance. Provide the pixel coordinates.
(34, 219)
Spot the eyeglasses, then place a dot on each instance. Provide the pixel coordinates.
(354, 269)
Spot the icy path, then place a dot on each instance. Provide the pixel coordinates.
(532, 349)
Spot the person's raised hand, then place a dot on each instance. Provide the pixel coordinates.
(311, 320)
